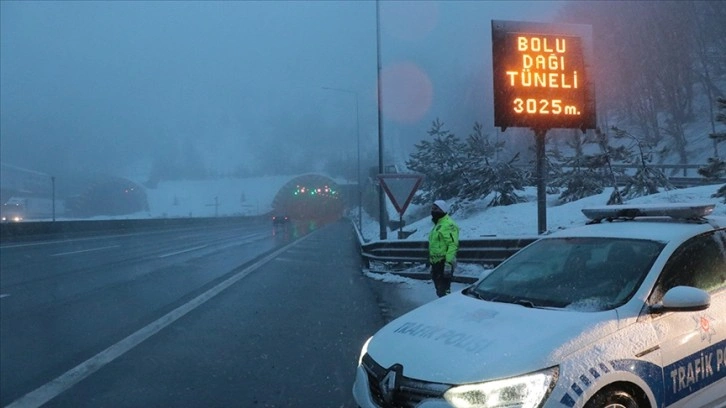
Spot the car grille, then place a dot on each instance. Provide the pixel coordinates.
(409, 393)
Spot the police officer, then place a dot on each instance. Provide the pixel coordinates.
(443, 245)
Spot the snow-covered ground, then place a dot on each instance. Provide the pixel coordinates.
(518, 220)
(521, 219)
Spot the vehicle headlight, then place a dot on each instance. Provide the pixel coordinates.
(364, 350)
(526, 391)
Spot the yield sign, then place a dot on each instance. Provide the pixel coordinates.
(400, 188)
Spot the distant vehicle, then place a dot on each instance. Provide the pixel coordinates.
(12, 213)
(627, 311)
(18, 209)
(280, 219)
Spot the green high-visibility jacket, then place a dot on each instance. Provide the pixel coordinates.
(444, 240)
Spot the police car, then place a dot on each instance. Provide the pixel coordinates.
(626, 311)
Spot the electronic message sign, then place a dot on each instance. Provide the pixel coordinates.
(540, 74)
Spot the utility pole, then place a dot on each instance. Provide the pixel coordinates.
(381, 198)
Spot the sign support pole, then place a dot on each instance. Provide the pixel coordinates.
(400, 226)
(539, 136)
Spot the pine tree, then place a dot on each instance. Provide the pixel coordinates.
(553, 170)
(716, 168)
(579, 181)
(506, 180)
(465, 171)
(579, 174)
(476, 161)
(440, 162)
(484, 175)
(607, 157)
(647, 179)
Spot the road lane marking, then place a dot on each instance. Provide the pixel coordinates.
(251, 238)
(298, 260)
(182, 251)
(65, 381)
(96, 238)
(85, 250)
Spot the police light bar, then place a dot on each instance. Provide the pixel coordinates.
(678, 211)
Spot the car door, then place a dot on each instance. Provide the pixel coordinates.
(693, 343)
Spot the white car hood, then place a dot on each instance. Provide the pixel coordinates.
(458, 339)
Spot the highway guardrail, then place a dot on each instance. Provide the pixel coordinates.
(489, 251)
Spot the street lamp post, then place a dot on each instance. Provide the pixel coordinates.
(52, 181)
(357, 132)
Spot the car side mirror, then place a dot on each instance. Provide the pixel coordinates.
(683, 299)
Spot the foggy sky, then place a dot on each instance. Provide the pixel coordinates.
(105, 87)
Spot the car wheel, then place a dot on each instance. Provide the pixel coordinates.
(612, 399)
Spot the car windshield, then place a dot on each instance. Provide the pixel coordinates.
(590, 274)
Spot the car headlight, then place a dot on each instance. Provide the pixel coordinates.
(527, 391)
(364, 350)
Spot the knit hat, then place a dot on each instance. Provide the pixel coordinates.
(442, 205)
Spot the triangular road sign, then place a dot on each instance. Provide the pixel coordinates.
(400, 188)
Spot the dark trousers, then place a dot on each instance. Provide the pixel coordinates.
(441, 282)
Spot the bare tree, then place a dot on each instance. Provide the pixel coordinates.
(649, 55)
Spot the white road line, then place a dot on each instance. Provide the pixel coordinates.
(286, 260)
(85, 250)
(4, 295)
(295, 260)
(249, 240)
(181, 252)
(75, 375)
(59, 241)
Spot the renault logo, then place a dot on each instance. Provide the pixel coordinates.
(389, 383)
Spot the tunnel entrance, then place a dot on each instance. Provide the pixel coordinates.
(310, 199)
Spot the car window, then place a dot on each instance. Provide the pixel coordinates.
(699, 262)
(580, 273)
